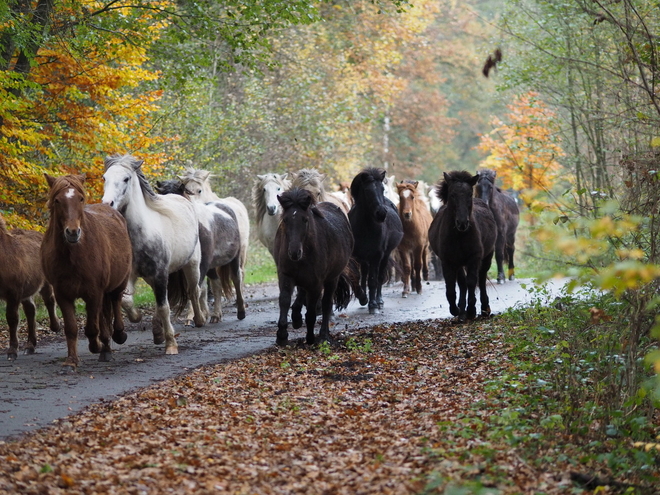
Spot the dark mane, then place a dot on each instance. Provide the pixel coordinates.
(442, 188)
(297, 196)
(375, 173)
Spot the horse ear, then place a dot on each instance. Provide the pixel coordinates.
(50, 179)
(261, 177)
(414, 183)
(205, 174)
(382, 174)
(317, 212)
(285, 201)
(284, 175)
(305, 201)
(446, 176)
(82, 178)
(473, 180)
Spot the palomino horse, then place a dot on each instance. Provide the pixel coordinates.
(414, 247)
(506, 213)
(86, 254)
(21, 277)
(220, 242)
(269, 211)
(164, 234)
(314, 182)
(377, 231)
(463, 235)
(312, 248)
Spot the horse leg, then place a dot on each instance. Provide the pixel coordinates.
(296, 308)
(162, 316)
(483, 281)
(499, 258)
(418, 254)
(286, 288)
(30, 311)
(382, 274)
(450, 287)
(12, 322)
(510, 250)
(134, 315)
(118, 333)
(216, 289)
(105, 326)
(92, 327)
(310, 315)
(49, 301)
(425, 263)
(406, 269)
(471, 280)
(70, 332)
(237, 277)
(363, 298)
(200, 310)
(326, 306)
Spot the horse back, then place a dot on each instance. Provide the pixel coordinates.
(486, 225)
(21, 274)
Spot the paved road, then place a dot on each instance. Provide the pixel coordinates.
(35, 391)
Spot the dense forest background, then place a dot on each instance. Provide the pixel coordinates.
(568, 117)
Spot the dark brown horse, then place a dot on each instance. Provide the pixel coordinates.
(506, 213)
(21, 278)
(463, 235)
(414, 247)
(86, 254)
(313, 246)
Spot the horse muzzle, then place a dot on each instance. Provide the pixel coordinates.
(380, 214)
(462, 226)
(296, 255)
(72, 236)
(272, 210)
(407, 215)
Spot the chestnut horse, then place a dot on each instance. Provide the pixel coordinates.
(313, 246)
(506, 213)
(21, 277)
(414, 246)
(86, 254)
(463, 235)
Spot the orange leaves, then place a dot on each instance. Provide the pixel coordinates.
(524, 150)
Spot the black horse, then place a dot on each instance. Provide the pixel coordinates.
(377, 230)
(463, 235)
(313, 245)
(506, 213)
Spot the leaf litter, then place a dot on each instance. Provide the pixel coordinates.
(359, 416)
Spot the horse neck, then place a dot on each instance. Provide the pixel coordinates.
(137, 206)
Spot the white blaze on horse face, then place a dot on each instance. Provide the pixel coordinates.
(406, 193)
(69, 194)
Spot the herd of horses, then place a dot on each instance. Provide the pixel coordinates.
(327, 247)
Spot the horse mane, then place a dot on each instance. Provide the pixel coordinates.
(310, 178)
(442, 187)
(258, 198)
(297, 196)
(66, 182)
(376, 173)
(196, 174)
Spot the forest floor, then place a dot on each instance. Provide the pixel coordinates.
(406, 407)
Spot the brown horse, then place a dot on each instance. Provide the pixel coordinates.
(86, 253)
(21, 278)
(414, 247)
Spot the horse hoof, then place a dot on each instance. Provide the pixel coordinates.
(282, 342)
(171, 350)
(200, 323)
(241, 315)
(374, 310)
(28, 351)
(189, 323)
(69, 366)
(94, 347)
(296, 322)
(119, 337)
(159, 338)
(405, 294)
(363, 300)
(12, 356)
(105, 357)
(512, 278)
(214, 319)
(500, 281)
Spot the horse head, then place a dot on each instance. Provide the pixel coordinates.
(485, 185)
(266, 190)
(407, 192)
(299, 208)
(456, 191)
(66, 202)
(367, 188)
(121, 172)
(196, 185)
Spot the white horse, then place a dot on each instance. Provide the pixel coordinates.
(165, 239)
(389, 183)
(269, 211)
(314, 182)
(197, 188)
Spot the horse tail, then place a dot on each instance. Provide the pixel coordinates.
(177, 292)
(394, 268)
(343, 292)
(225, 274)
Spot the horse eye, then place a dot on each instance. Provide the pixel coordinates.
(127, 179)
(279, 189)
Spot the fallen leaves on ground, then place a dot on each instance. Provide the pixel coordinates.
(344, 419)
